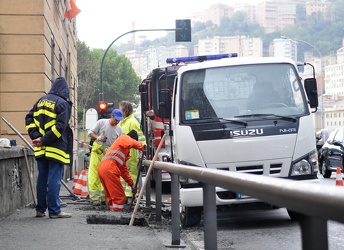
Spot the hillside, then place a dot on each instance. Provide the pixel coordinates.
(323, 30)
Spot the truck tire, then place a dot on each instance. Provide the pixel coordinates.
(191, 216)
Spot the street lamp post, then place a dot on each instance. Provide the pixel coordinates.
(101, 94)
(321, 85)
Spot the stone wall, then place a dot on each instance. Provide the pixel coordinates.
(15, 188)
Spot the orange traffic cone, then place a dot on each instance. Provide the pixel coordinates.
(169, 200)
(339, 178)
(78, 186)
(75, 180)
(84, 189)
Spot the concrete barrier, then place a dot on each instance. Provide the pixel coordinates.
(15, 189)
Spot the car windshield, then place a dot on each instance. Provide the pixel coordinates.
(242, 92)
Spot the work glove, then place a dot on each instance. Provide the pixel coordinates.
(101, 138)
(133, 189)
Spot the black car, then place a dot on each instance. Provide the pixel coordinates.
(331, 154)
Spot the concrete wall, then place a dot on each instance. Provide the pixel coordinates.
(37, 44)
(15, 189)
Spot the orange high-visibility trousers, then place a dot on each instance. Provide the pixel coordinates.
(113, 166)
(109, 175)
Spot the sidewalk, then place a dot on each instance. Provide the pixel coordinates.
(22, 230)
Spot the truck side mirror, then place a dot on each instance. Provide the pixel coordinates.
(311, 91)
(165, 103)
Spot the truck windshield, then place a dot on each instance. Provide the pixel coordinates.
(243, 90)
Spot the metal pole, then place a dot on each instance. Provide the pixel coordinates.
(29, 176)
(148, 192)
(314, 232)
(321, 85)
(17, 132)
(158, 194)
(321, 74)
(146, 180)
(101, 94)
(210, 217)
(175, 209)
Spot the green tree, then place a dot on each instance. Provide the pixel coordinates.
(120, 81)
(87, 77)
(300, 12)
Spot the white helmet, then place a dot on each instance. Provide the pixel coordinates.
(5, 143)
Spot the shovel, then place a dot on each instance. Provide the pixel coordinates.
(139, 167)
(103, 145)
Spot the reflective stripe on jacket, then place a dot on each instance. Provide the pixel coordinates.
(95, 188)
(118, 153)
(49, 119)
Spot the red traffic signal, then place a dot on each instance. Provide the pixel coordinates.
(102, 107)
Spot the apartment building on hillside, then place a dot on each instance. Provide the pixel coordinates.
(143, 62)
(276, 15)
(317, 6)
(244, 46)
(273, 15)
(334, 76)
(137, 60)
(249, 9)
(284, 48)
(37, 45)
(214, 13)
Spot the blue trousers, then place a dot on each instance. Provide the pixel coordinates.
(48, 185)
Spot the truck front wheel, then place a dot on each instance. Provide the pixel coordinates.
(191, 216)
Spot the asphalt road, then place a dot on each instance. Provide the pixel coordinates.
(22, 230)
(269, 229)
(249, 230)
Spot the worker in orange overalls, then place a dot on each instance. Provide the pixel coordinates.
(113, 166)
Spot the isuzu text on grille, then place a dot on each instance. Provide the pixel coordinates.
(258, 131)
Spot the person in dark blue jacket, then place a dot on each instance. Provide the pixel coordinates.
(48, 126)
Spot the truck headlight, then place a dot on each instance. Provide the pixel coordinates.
(301, 168)
(306, 165)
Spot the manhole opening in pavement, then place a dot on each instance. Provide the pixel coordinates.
(116, 220)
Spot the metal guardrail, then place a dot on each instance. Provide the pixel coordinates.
(313, 204)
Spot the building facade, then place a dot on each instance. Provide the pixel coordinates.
(284, 48)
(37, 45)
(214, 13)
(244, 46)
(144, 61)
(317, 6)
(276, 15)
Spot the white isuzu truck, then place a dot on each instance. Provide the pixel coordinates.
(251, 115)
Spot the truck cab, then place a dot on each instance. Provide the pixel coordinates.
(251, 115)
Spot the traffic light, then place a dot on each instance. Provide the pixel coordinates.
(102, 108)
(105, 109)
(183, 30)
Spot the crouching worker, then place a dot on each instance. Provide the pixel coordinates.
(113, 166)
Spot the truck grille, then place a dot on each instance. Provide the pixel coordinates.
(274, 169)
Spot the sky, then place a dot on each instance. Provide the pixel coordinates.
(101, 22)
